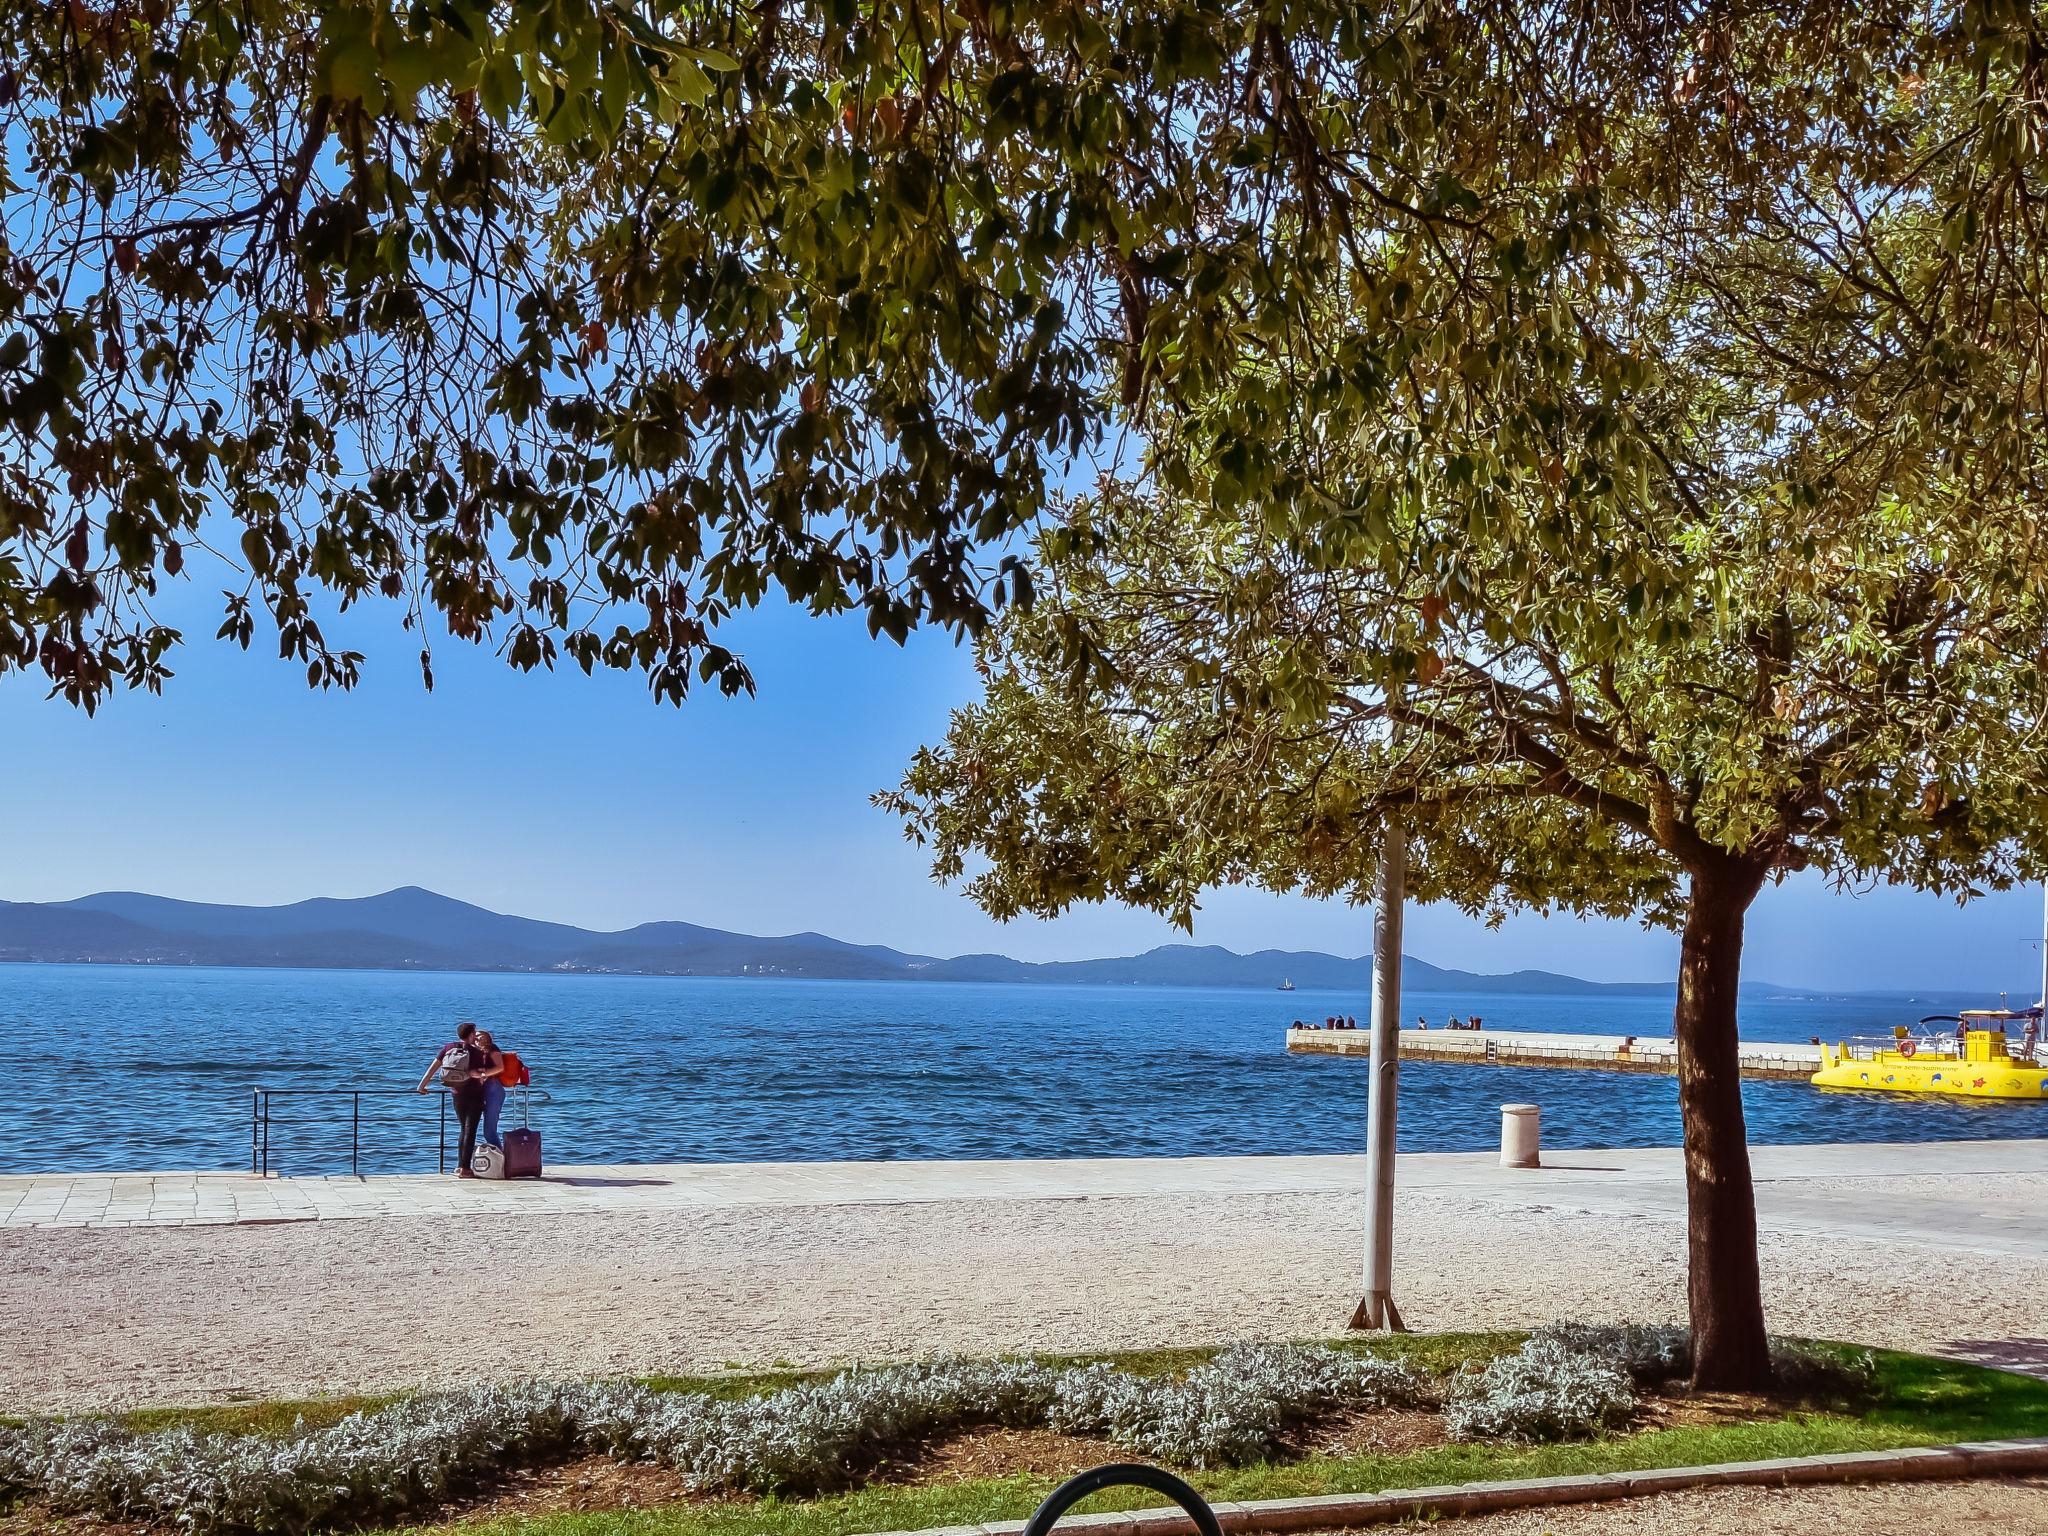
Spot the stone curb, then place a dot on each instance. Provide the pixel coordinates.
(1351, 1511)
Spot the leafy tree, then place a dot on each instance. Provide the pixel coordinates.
(574, 325)
(1732, 568)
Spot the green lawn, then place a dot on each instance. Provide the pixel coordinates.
(1917, 1401)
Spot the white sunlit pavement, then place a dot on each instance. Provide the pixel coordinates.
(1974, 1196)
(184, 1288)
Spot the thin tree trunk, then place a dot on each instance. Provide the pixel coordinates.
(1724, 1290)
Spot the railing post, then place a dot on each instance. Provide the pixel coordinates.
(259, 1120)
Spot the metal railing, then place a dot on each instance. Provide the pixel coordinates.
(266, 1121)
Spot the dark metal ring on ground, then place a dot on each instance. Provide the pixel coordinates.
(1122, 1474)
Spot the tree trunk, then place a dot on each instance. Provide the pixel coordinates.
(1723, 1289)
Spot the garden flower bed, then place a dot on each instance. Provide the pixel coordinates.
(562, 1450)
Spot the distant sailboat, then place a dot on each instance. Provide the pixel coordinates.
(1286, 985)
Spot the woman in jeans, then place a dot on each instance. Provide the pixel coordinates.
(459, 1066)
(493, 1068)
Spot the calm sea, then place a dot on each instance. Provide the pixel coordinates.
(120, 1067)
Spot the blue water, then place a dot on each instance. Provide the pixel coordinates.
(133, 1067)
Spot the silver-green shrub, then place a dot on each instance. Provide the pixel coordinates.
(372, 1463)
(1656, 1353)
(1803, 1370)
(1651, 1353)
(388, 1460)
(1546, 1390)
(1233, 1409)
(812, 1436)
(1571, 1380)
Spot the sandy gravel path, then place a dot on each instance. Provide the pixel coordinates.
(119, 1317)
(2007, 1508)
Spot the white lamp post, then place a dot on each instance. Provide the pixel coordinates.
(1377, 1309)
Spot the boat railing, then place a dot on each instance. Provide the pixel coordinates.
(306, 1123)
(1864, 1047)
(1932, 1046)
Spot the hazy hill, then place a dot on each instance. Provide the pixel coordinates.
(414, 929)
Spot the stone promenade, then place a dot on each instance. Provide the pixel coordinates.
(1956, 1195)
(179, 1288)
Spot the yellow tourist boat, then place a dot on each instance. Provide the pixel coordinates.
(1969, 1057)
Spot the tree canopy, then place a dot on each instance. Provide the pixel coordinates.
(574, 325)
(1686, 535)
(1734, 549)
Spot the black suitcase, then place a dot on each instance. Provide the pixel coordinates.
(522, 1154)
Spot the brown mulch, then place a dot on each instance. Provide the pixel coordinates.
(1693, 1409)
(995, 1453)
(1384, 1432)
(588, 1484)
(31, 1517)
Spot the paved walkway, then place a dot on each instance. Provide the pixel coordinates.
(180, 1288)
(1951, 1195)
(2005, 1507)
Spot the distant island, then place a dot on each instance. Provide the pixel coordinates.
(417, 930)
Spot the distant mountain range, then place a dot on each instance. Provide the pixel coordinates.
(414, 929)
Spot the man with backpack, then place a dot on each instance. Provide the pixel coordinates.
(458, 1065)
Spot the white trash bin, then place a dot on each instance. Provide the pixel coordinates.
(1521, 1136)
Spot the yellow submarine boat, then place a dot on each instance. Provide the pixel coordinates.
(1970, 1057)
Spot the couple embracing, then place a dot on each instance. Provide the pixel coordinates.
(476, 1074)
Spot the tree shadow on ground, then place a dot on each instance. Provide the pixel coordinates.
(2026, 1355)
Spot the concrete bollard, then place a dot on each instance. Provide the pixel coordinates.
(1520, 1136)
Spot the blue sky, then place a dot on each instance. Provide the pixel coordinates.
(581, 800)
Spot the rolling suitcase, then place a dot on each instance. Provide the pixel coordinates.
(522, 1147)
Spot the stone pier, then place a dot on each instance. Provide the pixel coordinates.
(1536, 1048)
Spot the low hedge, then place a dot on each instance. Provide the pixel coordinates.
(1566, 1382)
(413, 1452)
